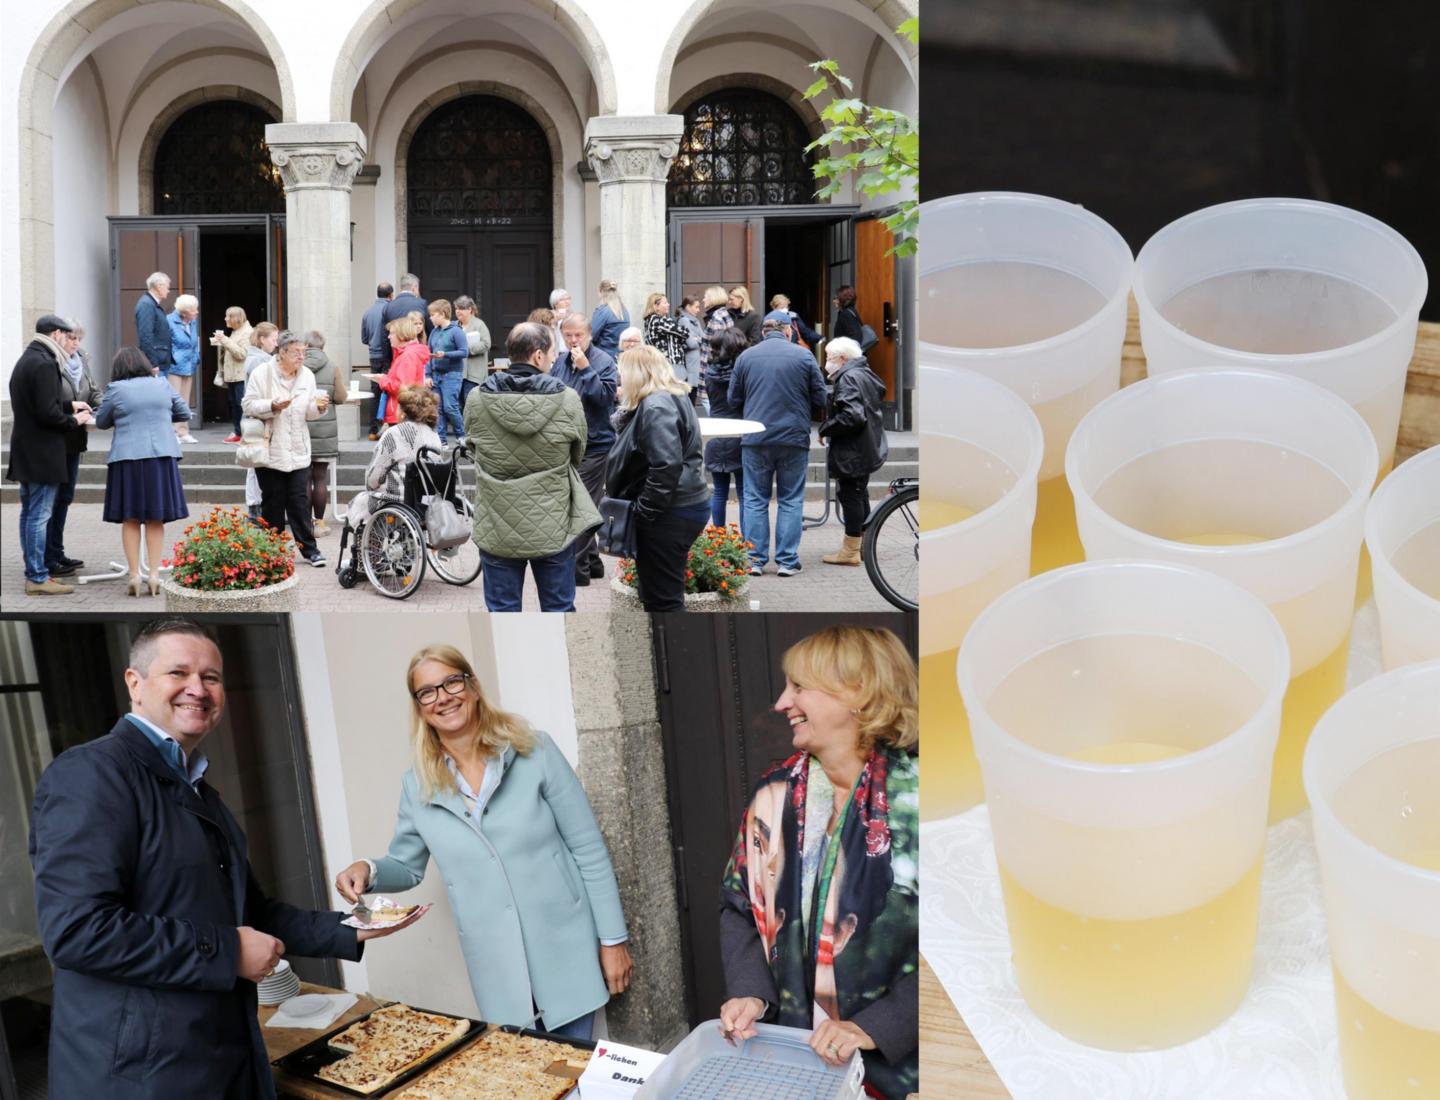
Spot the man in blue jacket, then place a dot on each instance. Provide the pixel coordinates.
(590, 372)
(777, 383)
(147, 906)
(152, 325)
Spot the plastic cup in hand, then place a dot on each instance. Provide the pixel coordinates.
(1259, 477)
(1032, 292)
(1125, 716)
(1402, 530)
(982, 447)
(1304, 288)
(1372, 772)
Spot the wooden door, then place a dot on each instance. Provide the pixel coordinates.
(443, 261)
(136, 253)
(514, 278)
(875, 299)
(278, 313)
(719, 678)
(716, 253)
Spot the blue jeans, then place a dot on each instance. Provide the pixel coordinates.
(721, 495)
(447, 388)
(504, 581)
(37, 501)
(579, 1028)
(784, 466)
(55, 530)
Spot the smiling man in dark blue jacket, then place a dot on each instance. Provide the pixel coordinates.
(147, 906)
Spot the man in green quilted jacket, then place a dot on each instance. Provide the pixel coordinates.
(528, 433)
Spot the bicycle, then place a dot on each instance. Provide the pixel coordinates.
(891, 544)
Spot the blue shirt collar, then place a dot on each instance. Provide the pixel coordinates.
(190, 770)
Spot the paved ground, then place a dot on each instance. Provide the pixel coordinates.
(819, 587)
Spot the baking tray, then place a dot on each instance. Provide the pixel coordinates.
(586, 1045)
(316, 1055)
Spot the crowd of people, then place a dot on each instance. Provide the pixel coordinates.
(583, 408)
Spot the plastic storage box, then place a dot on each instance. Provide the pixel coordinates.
(777, 1064)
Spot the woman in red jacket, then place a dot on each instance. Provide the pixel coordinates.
(408, 369)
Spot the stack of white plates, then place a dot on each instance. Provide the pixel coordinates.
(279, 986)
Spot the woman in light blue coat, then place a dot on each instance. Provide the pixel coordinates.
(525, 865)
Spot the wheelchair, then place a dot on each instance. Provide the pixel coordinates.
(392, 548)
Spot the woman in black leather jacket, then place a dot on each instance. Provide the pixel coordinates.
(655, 461)
(854, 434)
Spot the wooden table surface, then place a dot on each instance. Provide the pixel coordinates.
(951, 1061)
(280, 1041)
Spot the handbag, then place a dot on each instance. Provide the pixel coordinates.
(616, 534)
(868, 339)
(443, 526)
(254, 449)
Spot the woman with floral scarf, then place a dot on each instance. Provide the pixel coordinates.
(819, 904)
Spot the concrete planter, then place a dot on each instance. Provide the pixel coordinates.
(623, 598)
(188, 601)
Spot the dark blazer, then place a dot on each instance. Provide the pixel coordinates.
(152, 332)
(596, 385)
(748, 322)
(848, 323)
(858, 446)
(777, 383)
(656, 458)
(140, 885)
(43, 420)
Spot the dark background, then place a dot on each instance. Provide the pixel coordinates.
(1145, 110)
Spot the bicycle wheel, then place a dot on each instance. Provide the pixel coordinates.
(460, 564)
(392, 550)
(891, 548)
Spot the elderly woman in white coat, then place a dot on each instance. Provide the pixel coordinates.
(525, 865)
(282, 393)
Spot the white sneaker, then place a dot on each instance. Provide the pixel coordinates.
(188, 438)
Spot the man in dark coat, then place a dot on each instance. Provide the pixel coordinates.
(147, 906)
(407, 301)
(152, 326)
(38, 458)
(777, 383)
(590, 372)
(376, 341)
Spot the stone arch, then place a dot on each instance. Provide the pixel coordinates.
(793, 97)
(166, 118)
(891, 12)
(49, 57)
(372, 23)
(526, 103)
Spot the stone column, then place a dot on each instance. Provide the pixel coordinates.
(631, 155)
(318, 162)
(622, 766)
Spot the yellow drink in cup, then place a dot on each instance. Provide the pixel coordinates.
(1125, 715)
(1258, 477)
(1031, 292)
(982, 449)
(1402, 529)
(1372, 772)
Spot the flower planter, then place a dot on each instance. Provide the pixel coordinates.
(191, 601)
(624, 598)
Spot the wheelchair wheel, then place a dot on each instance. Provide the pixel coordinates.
(347, 576)
(392, 551)
(891, 548)
(460, 564)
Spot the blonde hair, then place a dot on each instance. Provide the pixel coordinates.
(260, 331)
(744, 296)
(235, 316)
(652, 303)
(610, 296)
(871, 670)
(494, 731)
(714, 296)
(643, 371)
(442, 307)
(779, 301)
(406, 328)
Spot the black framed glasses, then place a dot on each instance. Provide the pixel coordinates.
(453, 685)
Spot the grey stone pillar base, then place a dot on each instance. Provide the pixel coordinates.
(622, 767)
(631, 156)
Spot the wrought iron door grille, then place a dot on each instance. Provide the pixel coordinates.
(213, 160)
(479, 160)
(741, 148)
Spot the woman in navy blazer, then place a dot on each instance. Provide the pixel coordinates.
(609, 320)
(525, 866)
(142, 475)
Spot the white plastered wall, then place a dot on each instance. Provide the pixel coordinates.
(352, 683)
(82, 244)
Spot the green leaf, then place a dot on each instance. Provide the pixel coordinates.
(910, 29)
(816, 88)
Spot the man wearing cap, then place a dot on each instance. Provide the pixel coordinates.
(38, 461)
(777, 383)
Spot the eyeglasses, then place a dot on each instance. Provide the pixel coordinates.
(453, 685)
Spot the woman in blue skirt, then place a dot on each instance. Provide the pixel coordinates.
(142, 478)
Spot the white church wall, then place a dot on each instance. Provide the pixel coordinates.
(82, 244)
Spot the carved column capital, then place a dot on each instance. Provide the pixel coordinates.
(623, 148)
(316, 156)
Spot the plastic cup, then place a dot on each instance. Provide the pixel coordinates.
(1125, 715)
(1032, 292)
(1259, 477)
(982, 447)
(1304, 288)
(1372, 772)
(1402, 530)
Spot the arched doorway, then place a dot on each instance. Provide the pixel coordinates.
(213, 160)
(741, 147)
(479, 207)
